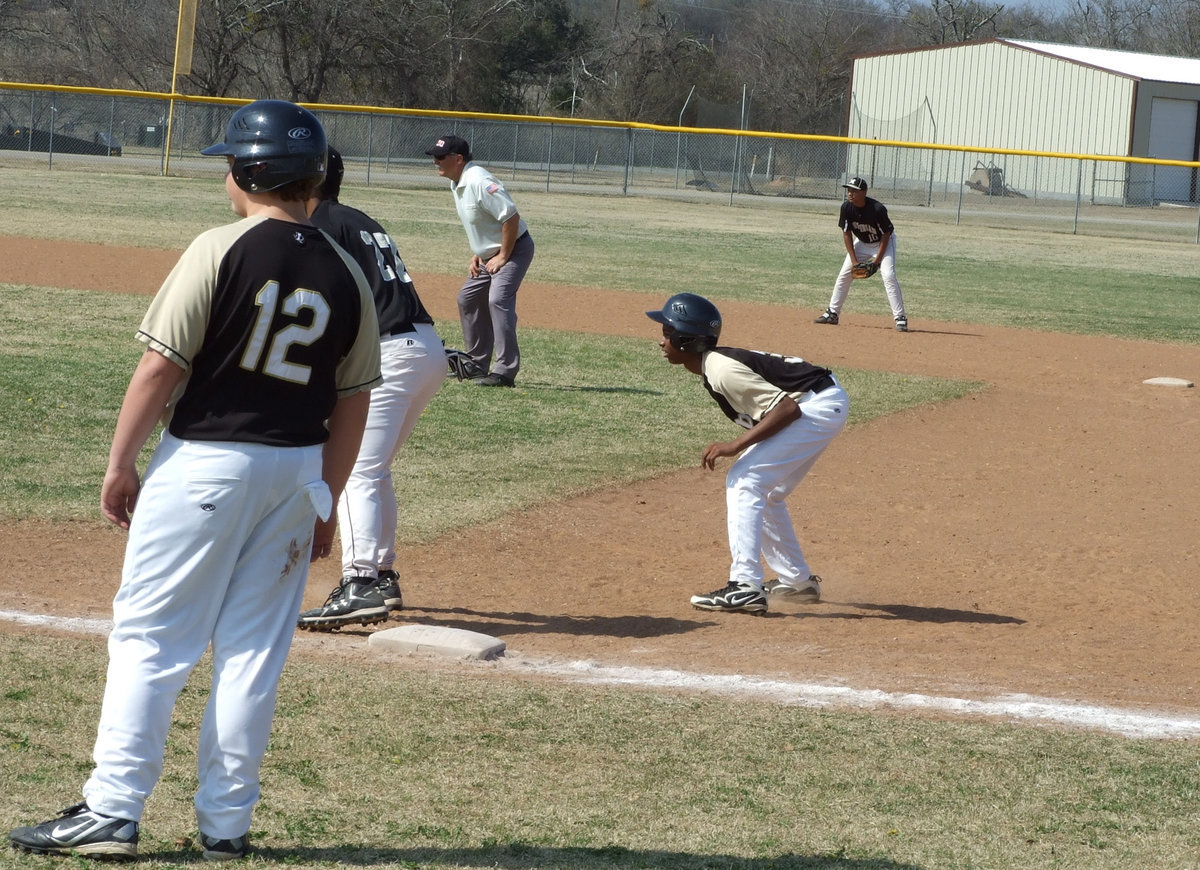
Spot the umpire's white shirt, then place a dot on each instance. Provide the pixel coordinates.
(483, 207)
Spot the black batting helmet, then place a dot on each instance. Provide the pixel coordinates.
(696, 321)
(273, 143)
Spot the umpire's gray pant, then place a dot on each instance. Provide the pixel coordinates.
(487, 308)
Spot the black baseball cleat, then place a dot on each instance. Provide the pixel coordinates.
(216, 849)
(828, 317)
(734, 598)
(356, 600)
(496, 380)
(79, 830)
(902, 323)
(389, 587)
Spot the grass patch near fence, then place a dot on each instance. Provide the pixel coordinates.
(772, 250)
(458, 769)
(589, 411)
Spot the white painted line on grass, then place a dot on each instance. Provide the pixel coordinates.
(1012, 707)
(1027, 708)
(60, 623)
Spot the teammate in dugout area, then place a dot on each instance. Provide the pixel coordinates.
(501, 251)
(414, 368)
(869, 236)
(261, 346)
(791, 411)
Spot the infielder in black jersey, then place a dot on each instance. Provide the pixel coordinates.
(869, 236)
(414, 367)
(260, 347)
(791, 411)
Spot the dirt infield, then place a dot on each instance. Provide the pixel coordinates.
(1038, 537)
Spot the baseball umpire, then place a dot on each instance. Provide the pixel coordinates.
(791, 410)
(870, 241)
(260, 347)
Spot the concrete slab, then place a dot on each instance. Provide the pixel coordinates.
(436, 640)
(1168, 382)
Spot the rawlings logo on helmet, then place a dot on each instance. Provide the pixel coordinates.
(299, 133)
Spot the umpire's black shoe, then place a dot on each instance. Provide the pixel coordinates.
(355, 600)
(496, 380)
(389, 587)
(80, 830)
(829, 317)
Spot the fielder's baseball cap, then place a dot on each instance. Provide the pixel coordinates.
(856, 183)
(449, 145)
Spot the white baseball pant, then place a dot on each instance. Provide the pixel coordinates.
(218, 554)
(763, 476)
(887, 271)
(414, 368)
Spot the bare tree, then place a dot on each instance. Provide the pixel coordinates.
(798, 60)
(1178, 30)
(1121, 24)
(642, 64)
(225, 53)
(317, 47)
(947, 21)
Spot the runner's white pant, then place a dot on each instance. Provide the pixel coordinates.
(887, 271)
(760, 480)
(217, 554)
(414, 368)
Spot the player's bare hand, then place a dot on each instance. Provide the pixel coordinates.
(323, 533)
(118, 495)
(495, 264)
(476, 268)
(715, 451)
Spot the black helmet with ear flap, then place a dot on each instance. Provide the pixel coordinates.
(696, 321)
(272, 143)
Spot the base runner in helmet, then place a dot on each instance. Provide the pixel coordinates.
(790, 410)
(261, 346)
(414, 367)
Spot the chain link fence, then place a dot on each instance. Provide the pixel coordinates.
(120, 132)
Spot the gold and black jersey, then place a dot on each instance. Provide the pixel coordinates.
(747, 384)
(273, 321)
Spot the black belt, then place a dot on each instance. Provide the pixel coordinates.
(823, 384)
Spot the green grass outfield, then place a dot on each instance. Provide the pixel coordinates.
(434, 769)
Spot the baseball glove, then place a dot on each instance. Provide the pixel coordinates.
(462, 366)
(864, 269)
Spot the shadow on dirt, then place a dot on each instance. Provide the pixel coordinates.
(912, 613)
(499, 624)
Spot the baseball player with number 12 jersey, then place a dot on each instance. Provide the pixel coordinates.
(260, 349)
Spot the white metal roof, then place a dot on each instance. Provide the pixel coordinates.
(1152, 67)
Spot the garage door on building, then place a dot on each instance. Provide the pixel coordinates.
(1173, 137)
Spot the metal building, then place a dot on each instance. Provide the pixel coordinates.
(1035, 96)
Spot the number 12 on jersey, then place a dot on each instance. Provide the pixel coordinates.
(277, 345)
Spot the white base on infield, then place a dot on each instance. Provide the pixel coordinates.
(1168, 382)
(436, 640)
